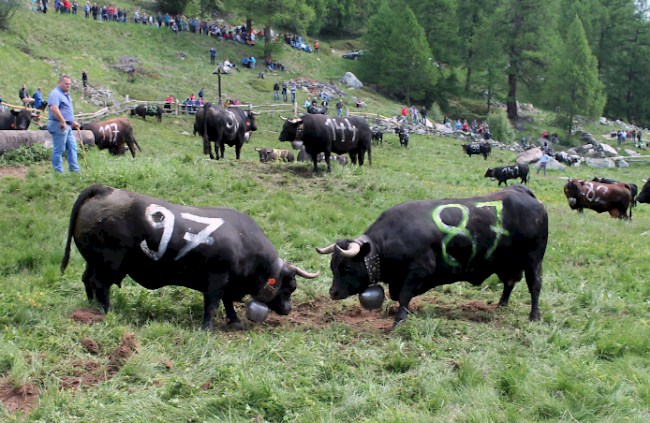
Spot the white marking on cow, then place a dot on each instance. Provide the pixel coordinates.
(166, 222)
(234, 123)
(203, 237)
(592, 195)
(352, 128)
(332, 124)
(112, 133)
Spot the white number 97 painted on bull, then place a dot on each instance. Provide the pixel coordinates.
(167, 221)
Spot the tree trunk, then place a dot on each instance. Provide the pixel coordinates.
(267, 43)
(249, 24)
(570, 125)
(489, 100)
(408, 93)
(470, 53)
(511, 102)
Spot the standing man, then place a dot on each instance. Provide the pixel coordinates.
(543, 161)
(60, 124)
(294, 89)
(284, 90)
(213, 55)
(252, 59)
(84, 78)
(87, 9)
(276, 90)
(316, 46)
(201, 93)
(24, 96)
(94, 11)
(423, 112)
(339, 108)
(38, 98)
(404, 114)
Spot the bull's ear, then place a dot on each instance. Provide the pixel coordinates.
(15, 111)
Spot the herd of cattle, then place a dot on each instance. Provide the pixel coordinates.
(223, 253)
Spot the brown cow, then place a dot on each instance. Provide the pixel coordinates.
(269, 154)
(113, 134)
(612, 198)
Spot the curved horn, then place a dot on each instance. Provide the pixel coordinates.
(326, 250)
(257, 149)
(283, 118)
(352, 250)
(304, 273)
(255, 113)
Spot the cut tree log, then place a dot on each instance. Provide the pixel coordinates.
(10, 140)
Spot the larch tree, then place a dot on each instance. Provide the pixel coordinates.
(574, 84)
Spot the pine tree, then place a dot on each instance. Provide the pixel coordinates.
(574, 83)
(399, 52)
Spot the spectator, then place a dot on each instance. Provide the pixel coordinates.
(60, 124)
(169, 100)
(545, 135)
(458, 125)
(159, 19)
(24, 96)
(325, 103)
(474, 126)
(186, 105)
(339, 108)
(201, 93)
(252, 59)
(213, 55)
(316, 46)
(414, 115)
(284, 90)
(543, 162)
(104, 13)
(423, 112)
(465, 126)
(75, 5)
(151, 20)
(87, 9)
(276, 90)
(487, 135)
(404, 114)
(307, 103)
(94, 10)
(294, 89)
(136, 16)
(448, 123)
(38, 98)
(192, 98)
(638, 136)
(84, 78)
(261, 75)
(175, 27)
(314, 102)
(67, 6)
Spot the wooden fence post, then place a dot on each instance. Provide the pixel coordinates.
(295, 109)
(347, 112)
(272, 111)
(126, 101)
(176, 114)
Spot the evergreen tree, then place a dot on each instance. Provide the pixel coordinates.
(400, 54)
(438, 18)
(488, 60)
(574, 85)
(525, 29)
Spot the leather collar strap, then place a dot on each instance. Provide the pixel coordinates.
(372, 259)
(299, 132)
(271, 287)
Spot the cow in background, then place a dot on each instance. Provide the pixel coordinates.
(503, 173)
(269, 154)
(484, 149)
(231, 126)
(377, 136)
(614, 199)
(114, 135)
(634, 189)
(16, 119)
(147, 110)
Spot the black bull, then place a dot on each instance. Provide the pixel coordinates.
(503, 173)
(146, 110)
(218, 251)
(15, 119)
(325, 134)
(225, 126)
(418, 245)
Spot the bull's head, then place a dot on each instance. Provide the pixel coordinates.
(573, 193)
(644, 196)
(251, 125)
(489, 173)
(264, 154)
(290, 129)
(355, 266)
(21, 119)
(286, 276)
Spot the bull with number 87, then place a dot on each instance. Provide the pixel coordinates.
(218, 251)
(418, 245)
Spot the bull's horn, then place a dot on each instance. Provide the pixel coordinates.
(644, 180)
(304, 273)
(326, 250)
(352, 250)
(257, 149)
(255, 113)
(283, 118)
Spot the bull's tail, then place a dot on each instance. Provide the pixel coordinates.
(206, 139)
(88, 193)
(136, 144)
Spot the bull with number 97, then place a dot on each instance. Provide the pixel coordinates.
(218, 251)
(418, 245)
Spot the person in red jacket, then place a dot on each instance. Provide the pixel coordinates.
(404, 114)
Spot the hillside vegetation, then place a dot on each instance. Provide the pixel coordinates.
(456, 359)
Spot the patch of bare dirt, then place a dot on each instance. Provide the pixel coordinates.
(90, 345)
(15, 400)
(122, 353)
(17, 171)
(319, 314)
(471, 311)
(90, 373)
(87, 316)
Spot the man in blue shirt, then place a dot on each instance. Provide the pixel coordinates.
(60, 124)
(38, 99)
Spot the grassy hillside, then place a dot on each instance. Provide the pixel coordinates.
(456, 359)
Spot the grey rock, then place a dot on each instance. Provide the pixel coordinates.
(600, 163)
(609, 150)
(631, 152)
(530, 156)
(555, 165)
(351, 80)
(622, 163)
(572, 152)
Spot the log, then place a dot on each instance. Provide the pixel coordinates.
(10, 140)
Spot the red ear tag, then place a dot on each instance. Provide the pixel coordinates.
(13, 125)
(271, 281)
(248, 124)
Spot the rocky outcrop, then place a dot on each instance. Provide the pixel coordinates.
(351, 80)
(315, 87)
(600, 163)
(530, 156)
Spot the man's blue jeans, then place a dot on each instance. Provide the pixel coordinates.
(293, 97)
(339, 112)
(63, 142)
(415, 119)
(277, 95)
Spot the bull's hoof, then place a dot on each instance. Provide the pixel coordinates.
(396, 323)
(534, 317)
(235, 325)
(206, 326)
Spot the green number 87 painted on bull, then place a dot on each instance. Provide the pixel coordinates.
(461, 229)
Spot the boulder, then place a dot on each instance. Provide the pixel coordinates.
(609, 150)
(572, 152)
(351, 80)
(603, 121)
(631, 152)
(622, 163)
(530, 156)
(555, 165)
(600, 163)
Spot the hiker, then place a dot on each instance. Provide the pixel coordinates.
(543, 161)
(316, 46)
(276, 90)
(423, 112)
(404, 114)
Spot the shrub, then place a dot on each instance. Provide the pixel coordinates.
(263, 85)
(7, 10)
(500, 126)
(435, 114)
(25, 155)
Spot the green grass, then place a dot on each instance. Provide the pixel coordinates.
(587, 360)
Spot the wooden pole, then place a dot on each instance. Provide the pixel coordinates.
(176, 107)
(272, 111)
(81, 141)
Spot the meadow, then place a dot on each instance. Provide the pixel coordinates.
(456, 359)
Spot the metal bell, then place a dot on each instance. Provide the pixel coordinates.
(257, 311)
(372, 298)
(296, 145)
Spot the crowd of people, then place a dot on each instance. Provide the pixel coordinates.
(635, 136)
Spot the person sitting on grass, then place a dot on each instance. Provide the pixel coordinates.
(307, 103)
